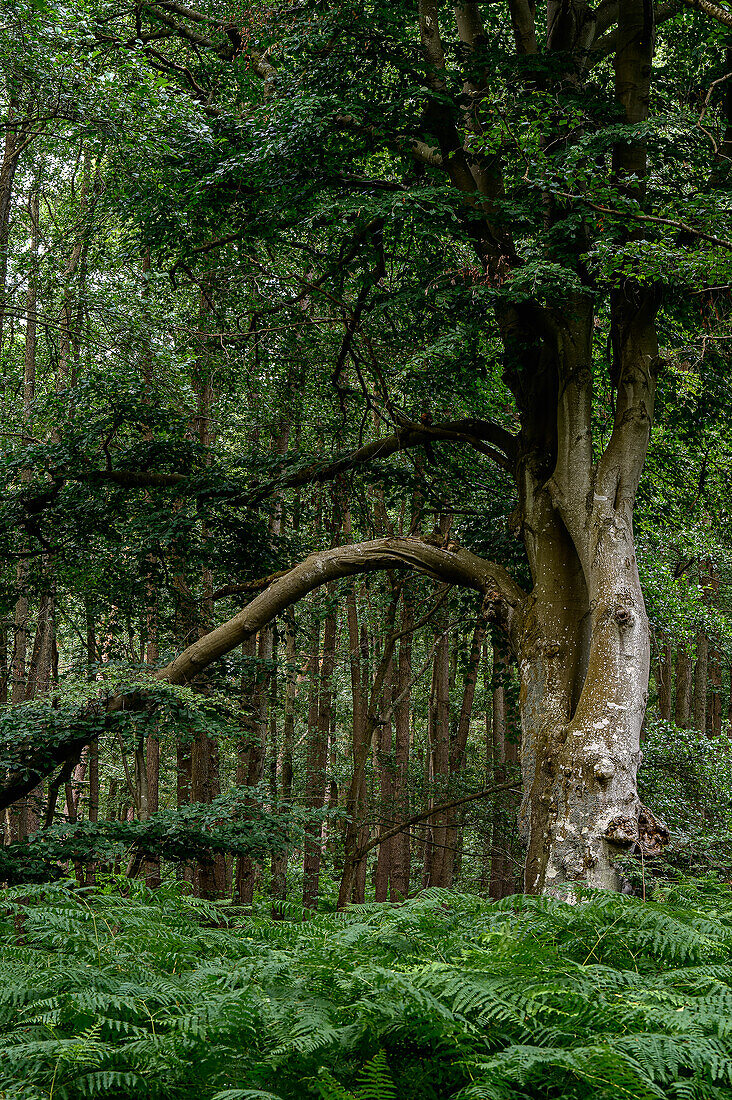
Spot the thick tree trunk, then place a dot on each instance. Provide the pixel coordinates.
(580, 761)
(583, 643)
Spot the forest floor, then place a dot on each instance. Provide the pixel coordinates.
(158, 994)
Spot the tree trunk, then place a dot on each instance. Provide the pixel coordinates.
(460, 740)
(252, 763)
(505, 757)
(365, 719)
(663, 681)
(400, 844)
(439, 749)
(701, 677)
(280, 860)
(358, 894)
(317, 760)
(386, 786)
(714, 725)
(684, 685)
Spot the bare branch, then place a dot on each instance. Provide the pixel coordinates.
(509, 786)
(456, 566)
(638, 215)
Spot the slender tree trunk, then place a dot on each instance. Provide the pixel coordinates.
(14, 141)
(280, 860)
(24, 817)
(488, 740)
(400, 844)
(459, 742)
(439, 748)
(505, 757)
(316, 763)
(701, 676)
(684, 686)
(358, 894)
(714, 726)
(22, 606)
(365, 719)
(663, 681)
(384, 863)
(243, 875)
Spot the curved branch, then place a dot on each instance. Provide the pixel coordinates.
(502, 448)
(456, 565)
(503, 451)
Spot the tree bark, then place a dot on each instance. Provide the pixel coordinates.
(663, 681)
(505, 757)
(439, 749)
(317, 761)
(684, 686)
(384, 756)
(459, 742)
(701, 677)
(400, 845)
(280, 859)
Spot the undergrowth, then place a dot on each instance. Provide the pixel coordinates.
(447, 997)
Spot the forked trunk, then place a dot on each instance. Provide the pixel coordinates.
(583, 641)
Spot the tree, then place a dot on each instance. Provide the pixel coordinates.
(527, 163)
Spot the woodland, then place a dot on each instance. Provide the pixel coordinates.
(365, 559)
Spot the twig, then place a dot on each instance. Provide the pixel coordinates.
(683, 227)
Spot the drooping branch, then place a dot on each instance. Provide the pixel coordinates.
(32, 763)
(457, 566)
(483, 435)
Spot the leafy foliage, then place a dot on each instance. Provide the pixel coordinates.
(229, 823)
(161, 995)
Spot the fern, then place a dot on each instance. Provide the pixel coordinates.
(375, 1083)
(446, 997)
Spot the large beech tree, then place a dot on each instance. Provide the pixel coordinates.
(528, 138)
